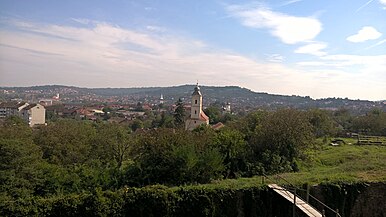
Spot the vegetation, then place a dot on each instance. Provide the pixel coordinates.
(100, 165)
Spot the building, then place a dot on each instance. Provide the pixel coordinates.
(226, 108)
(34, 114)
(11, 108)
(197, 116)
(46, 102)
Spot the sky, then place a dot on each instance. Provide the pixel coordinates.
(316, 48)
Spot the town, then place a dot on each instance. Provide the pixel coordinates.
(62, 142)
(143, 107)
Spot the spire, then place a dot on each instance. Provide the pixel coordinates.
(197, 90)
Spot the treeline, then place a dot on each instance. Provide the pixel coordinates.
(71, 156)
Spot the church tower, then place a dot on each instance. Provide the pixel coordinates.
(196, 103)
(197, 116)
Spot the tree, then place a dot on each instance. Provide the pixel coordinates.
(179, 114)
(162, 152)
(137, 124)
(214, 114)
(373, 123)
(20, 160)
(232, 146)
(112, 143)
(66, 142)
(322, 123)
(167, 120)
(280, 138)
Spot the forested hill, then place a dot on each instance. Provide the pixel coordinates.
(237, 96)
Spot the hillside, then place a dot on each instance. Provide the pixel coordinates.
(239, 97)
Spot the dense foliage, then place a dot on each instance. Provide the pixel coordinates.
(79, 157)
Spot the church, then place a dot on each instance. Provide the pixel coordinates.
(197, 116)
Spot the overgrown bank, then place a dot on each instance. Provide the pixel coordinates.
(356, 199)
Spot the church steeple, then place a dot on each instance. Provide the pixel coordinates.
(196, 109)
(197, 116)
(196, 90)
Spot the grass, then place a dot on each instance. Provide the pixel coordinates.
(344, 163)
(347, 163)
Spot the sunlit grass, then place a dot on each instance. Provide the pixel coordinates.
(347, 163)
(328, 164)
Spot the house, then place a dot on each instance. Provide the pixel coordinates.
(197, 115)
(11, 108)
(34, 114)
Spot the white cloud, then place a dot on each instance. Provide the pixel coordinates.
(156, 28)
(276, 58)
(365, 34)
(104, 55)
(289, 29)
(384, 3)
(341, 60)
(313, 49)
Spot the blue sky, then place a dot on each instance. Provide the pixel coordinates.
(295, 47)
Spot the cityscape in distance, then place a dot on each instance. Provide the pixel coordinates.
(241, 99)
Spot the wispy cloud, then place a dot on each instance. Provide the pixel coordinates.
(364, 5)
(81, 20)
(290, 2)
(377, 44)
(365, 34)
(313, 49)
(156, 28)
(276, 58)
(367, 67)
(289, 29)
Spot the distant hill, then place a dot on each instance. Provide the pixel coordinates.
(237, 96)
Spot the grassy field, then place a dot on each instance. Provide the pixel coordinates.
(344, 163)
(347, 162)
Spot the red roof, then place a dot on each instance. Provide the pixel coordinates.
(203, 117)
(218, 126)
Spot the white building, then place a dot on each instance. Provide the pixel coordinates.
(34, 114)
(197, 116)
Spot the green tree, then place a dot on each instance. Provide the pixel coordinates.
(232, 146)
(159, 153)
(66, 142)
(373, 123)
(20, 160)
(137, 124)
(167, 120)
(280, 138)
(112, 143)
(179, 114)
(214, 114)
(322, 123)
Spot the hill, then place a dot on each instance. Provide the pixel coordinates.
(239, 97)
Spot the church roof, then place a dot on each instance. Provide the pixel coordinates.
(196, 91)
(203, 117)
